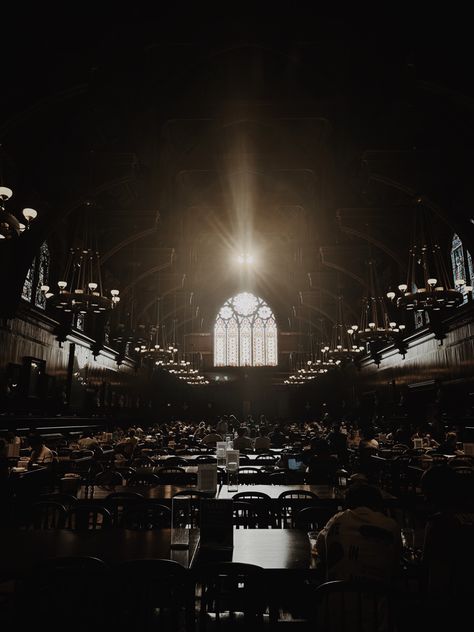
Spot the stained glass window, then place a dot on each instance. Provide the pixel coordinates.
(43, 275)
(245, 333)
(37, 276)
(27, 291)
(461, 263)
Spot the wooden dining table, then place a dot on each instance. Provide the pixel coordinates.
(271, 549)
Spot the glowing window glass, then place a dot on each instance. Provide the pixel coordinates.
(461, 263)
(245, 333)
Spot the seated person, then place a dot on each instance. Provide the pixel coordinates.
(322, 465)
(127, 446)
(87, 442)
(200, 431)
(449, 445)
(211, 439)
(40, 454)
(337, 441)
(262, 442)
(360, 543)
(222, 427)
(277, 437)
(242, 442)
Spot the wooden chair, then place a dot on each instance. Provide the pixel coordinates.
(313, 518)
(108, 478)
(245, 516)
(84, 517)
(292, 501)
(143, 479)
(173, 475)
(345, 605)
(231, 592)
(174, 460)
(147, 516)
(48, 515)
(262, 504)
(195, 496)
(68, 589)
(159, 595)
(66, 500)
(205, 458)
(118, 503)
(266, 458)
(249, 475)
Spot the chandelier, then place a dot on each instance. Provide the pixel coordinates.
(185, 371)
(375, 325)
(428, 285)
(157, 351)
(80, 289)
(11, 226)
(344, 346)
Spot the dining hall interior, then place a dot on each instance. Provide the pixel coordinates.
(236, 320)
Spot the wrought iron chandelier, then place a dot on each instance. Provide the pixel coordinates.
(80, 289)
(428, 285)
(344, 346)
(157, 350)
(10, 225)
(375, 325)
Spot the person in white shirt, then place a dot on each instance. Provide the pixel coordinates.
(40, 454)
(87, 441)
(360, 543)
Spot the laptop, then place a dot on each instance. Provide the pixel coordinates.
(295, 464)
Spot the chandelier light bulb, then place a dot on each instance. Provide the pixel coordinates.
(92, 286)
(49, 294)
(393, 324)
(114, 292)
(22, 227)
(372, 325)
(403, 287)
(5, 193)
(29, 214)
(391, 295)
(44, 288)
(432, 282)
(401, 327)
(62, 285)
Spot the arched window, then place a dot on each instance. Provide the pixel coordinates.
(461, 262)
(245, 333)
(37, 275)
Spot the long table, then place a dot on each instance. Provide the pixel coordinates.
(272, 549)
(327, 493)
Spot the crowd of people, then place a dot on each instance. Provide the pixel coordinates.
(361, 541)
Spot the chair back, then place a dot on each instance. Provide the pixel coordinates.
(229, 588)
(48, 514)
(147, 516)
(69, 589)
(143, 479)
(119, 502)
(84, 517)
(159, 596)
(313, 518)
(345, 605)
